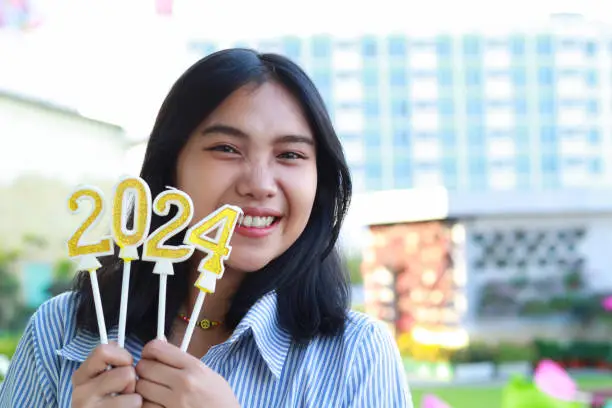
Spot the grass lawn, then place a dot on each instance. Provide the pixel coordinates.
(490, 397)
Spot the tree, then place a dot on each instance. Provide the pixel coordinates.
(13, 312)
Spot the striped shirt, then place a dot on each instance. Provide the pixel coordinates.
(361, 368)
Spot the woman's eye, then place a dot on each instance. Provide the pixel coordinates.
(291, 156)
(224, 149)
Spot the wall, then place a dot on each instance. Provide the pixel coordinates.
(542, 248)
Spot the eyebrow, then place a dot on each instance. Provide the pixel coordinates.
(235, 132)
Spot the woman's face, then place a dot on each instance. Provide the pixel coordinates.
(255, 151)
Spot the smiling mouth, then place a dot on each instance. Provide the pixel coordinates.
(255, 221)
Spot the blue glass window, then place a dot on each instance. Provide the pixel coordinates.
(472, 45)
(371, 107)
(523, 164)
(517, 45)
(444, 45)
(550, 163)
(475, 134)
(401, 138)
(591, 78)
(445, 77)
(596, 165)
(292, 47)
(398, 78)
(399, 107)
(547, 106)
(321, 46)
(544, 45)
(369, 46)
(519, 78)
(397, 46)
(475, 107)
(548, 134)
(592, 107)
(372, 143)
(590, 48)
(473, 77)
(370, 77)
(520, 106)
(446, 106)
(594, 136)
(546, 76)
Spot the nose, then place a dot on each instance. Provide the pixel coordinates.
(257, 182)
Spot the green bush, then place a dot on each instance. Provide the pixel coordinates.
(513, 352)
(8, 345)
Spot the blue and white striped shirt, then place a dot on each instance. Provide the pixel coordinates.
(361, 368)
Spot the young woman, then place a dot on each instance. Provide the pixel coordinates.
(250, 130)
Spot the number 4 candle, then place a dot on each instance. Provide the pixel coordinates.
(217, 250)
(129, 239)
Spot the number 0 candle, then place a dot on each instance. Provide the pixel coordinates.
(129, 239)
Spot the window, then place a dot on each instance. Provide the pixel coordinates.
(446, 106)
(444, 45)
(590, 48)
(545, 76)
(472, 45)
(399, 107)
(371, 107)
(547, 106)
(520, 106)
(292, 47)
(596, 166)
(369, 46)
(475, 107)
(591, 78)
(370, 77)
(445, 77)
(523, 164)
(321, 46)
(397, 46)
(398, 78)
(550, 164)
(548, 134)
(592, 107)
(519, 78)
(544, 45)
(401, 138)
(594, 137)
(517, 45)
(473, 77)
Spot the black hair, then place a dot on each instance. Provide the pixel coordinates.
(309, 278)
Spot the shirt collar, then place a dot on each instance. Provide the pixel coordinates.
(261, 320)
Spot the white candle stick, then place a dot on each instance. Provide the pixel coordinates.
(197, 308)
(98, 304)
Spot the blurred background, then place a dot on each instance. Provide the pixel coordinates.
(479, 135)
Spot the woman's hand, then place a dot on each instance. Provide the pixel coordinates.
(94, 385)
(170, 378)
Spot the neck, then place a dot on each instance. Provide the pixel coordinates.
(217, 304)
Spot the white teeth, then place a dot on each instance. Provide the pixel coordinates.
(257, 222)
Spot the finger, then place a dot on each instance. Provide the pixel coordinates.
(155, 393)
(168, 354)
(122, 401)
(103, 356)
(115, 380)
(157, 372)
